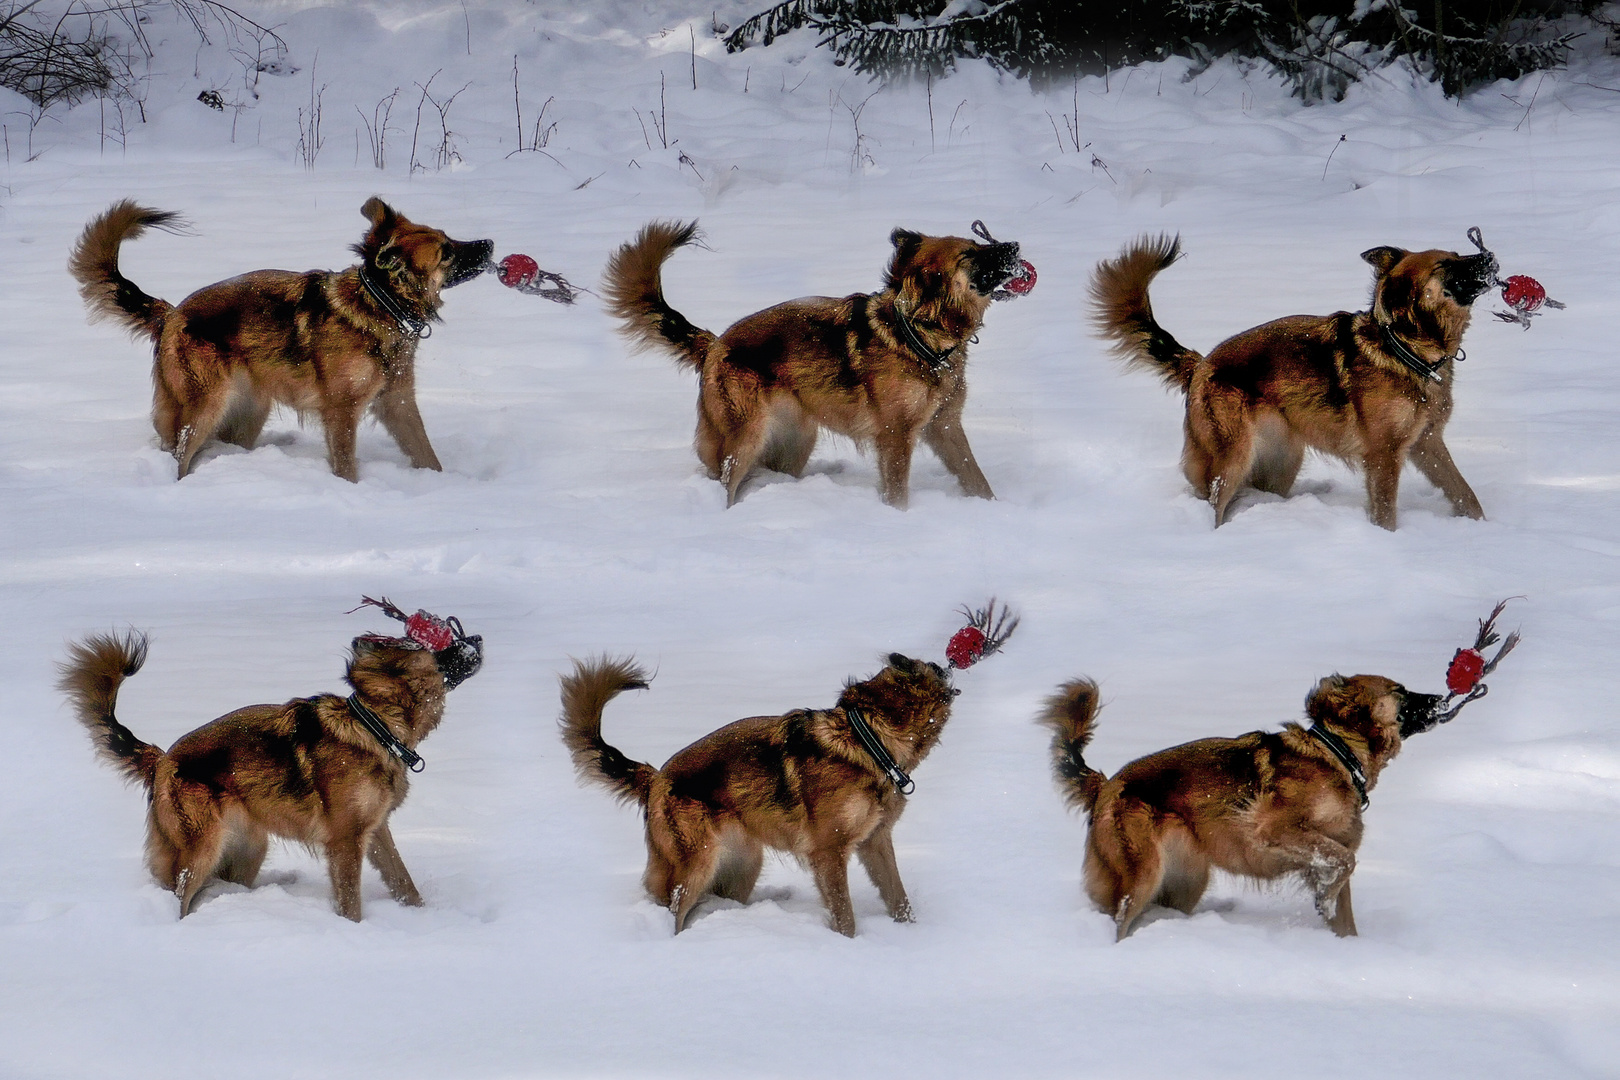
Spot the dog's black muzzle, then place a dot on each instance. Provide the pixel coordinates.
(472, 258)
(1468, 279)
(461, 659)
(993, 266)
(1420, 713)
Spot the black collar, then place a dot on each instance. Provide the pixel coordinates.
(410, 324)
(1335, 744)
(374, 724)
(1412, 361)
(874, 746)
(938, 362)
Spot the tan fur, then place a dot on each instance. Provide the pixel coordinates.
(801, 783)
(316, 342)
(305, 770)
(773, 380)
(1265, 805)
(1324, 382)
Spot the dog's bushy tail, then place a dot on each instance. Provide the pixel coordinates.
(1121, 312)
(94, 264)
(1071, 713)
(634, 285)
(585, 693)
(94, 670)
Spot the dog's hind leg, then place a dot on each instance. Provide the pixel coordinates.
(1433, 460)
(738, 869)
(244, 854)
(1186, 876)
(385, 857)
(166, 410)
(396, 408)
(199, 423)
(1277, 462)
(830, 866)
(245, 420)
(197, 862)
(708, 443)
(876, 853)
(1128, 851)
(792, 441)
(1219, 451)
(693, 880)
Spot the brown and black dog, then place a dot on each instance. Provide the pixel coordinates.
(1372, 388)
(884, 369)
(316, 770)
(1266, 805)
(802, 783)
(326, 343)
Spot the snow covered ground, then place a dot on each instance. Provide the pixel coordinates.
(572, 518)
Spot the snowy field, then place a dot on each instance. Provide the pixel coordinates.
(572, 518)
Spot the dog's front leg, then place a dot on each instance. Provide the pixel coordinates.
(1343, 920)
(340, 422)
(894, 444)
(945, 437)
(385, 857)
(1383, 467)
(831, 870)
(876, 853)
(1433, 460)
(396, 408)
(343, 867)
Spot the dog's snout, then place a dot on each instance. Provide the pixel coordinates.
(1418, 713)
(472, 258)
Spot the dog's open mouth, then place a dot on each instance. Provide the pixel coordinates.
(472, 256)
(1021, 282)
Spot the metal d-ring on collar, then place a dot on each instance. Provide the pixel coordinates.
(374, 724)
(938, 362)
(1336, 745)
(414, 327)
(891, 769)
(1412, 360)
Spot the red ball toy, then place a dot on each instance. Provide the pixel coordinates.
(1023, 281)
(516, 271)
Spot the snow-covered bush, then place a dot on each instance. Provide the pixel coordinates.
(1321, 46)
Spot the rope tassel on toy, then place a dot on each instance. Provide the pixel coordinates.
(1464, 679)
(524, 274)
(986, 632)
(1525, 295)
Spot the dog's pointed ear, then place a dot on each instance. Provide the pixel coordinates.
(902, 663)
(378, 212)
(1323, 702)
(1383, 259)
(905, 243)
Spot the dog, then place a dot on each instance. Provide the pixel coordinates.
(804, 783)
(885, 369)
(1265, 805)
(324, 771)
(330, 344)
(1372, 388)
